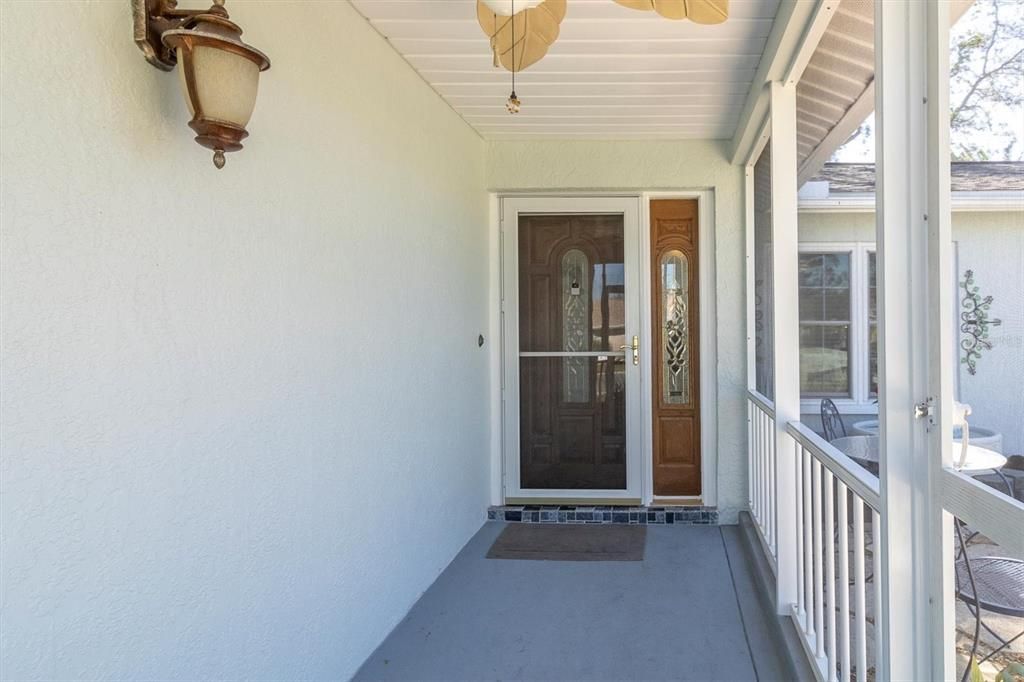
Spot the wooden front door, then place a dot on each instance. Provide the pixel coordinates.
(675, 343)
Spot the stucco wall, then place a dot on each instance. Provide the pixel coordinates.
(662, 165)
(991, 244)
(244, 417)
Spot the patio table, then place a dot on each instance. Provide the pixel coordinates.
(864, 451)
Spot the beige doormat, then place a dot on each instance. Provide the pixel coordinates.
(537, 542)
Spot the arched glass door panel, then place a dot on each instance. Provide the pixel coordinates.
(675, 322)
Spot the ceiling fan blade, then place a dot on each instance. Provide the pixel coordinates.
(535, 29)
(697, 11)
(707, 11)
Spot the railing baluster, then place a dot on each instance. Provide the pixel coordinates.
(876, 570)
(819, 606)
(773, 507)
(764, 474)
(750, 454)
(756, 444)
(808, 546)
(801, 500)
(859, 602)
(765, 522)
(767, 488)
(757, 465)
(767, 480)
(753, 460)
(830, 573)
(844, 583)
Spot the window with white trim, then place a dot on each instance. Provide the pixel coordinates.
(872, 288)
(838, 325)
(825, 320)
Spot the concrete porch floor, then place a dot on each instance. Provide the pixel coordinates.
(691, 610)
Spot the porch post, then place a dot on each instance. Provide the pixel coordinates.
(941, 642)
(786, 341)
(915, 367)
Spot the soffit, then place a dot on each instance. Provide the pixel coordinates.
(613, 72)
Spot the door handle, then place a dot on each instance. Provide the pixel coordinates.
(636, 349)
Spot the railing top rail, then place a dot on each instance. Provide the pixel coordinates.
(761, 401)
(848, 471)
(996, 515)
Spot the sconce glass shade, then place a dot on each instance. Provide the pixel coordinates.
(225, 84)
(219, 78)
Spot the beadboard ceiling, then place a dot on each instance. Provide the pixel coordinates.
(613, 72)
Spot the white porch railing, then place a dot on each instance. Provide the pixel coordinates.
(837, 522)
(998, 516)
(837, 567)
(762, 463)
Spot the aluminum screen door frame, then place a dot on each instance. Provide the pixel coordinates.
(511, 209)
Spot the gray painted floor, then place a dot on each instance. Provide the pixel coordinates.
(688, 611)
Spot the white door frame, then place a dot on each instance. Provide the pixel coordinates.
(511, 209)
(504, 245)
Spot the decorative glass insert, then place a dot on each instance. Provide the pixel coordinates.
(675, 292)
(575, 282)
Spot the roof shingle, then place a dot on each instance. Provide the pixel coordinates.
(966, 176)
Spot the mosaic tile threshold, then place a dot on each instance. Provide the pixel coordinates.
(574, 513)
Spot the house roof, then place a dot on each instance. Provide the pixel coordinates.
(966, 176)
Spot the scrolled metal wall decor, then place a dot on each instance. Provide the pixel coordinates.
(976, 322)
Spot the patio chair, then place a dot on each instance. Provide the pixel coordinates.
(1009, 479)
(989, 583)
(831, 423)
(1014, 470)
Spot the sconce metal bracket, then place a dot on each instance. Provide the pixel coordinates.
(150, 19)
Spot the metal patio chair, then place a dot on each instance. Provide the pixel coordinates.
(989, 583)
(831, 422)
(1010, 478)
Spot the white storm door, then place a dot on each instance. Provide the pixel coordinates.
(571, 311)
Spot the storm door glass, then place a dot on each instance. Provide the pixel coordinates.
(572, 370)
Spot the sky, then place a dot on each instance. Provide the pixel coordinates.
(1008, 123)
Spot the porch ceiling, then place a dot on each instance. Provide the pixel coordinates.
(613, 72)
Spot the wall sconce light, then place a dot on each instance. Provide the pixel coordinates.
(219, 73)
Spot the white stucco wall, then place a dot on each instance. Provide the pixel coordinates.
(647, 165)
(244, 417)
(991, 243)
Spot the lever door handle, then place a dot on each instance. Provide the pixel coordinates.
(636, 349)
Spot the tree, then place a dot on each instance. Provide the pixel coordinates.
(986, 73)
